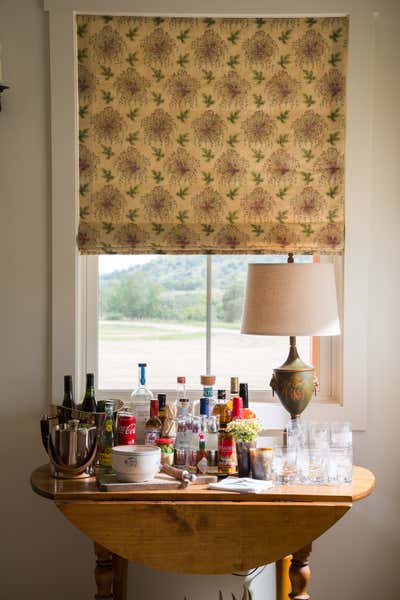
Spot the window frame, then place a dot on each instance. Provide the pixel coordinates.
(72, 279)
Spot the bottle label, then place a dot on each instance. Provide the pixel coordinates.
(126, 430)
(150, 436)
(226, 455)
(202, 465)
(105, 457)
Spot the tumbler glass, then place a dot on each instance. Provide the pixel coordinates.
(284, 465)
(340, 466)
(261, 461)
(341, 435)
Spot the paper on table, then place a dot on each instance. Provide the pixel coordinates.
(244, 485)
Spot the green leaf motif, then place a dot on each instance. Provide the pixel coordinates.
(309, 76)
(183, 36)
(157, 74)
(182, 139)
(208, 178)
(233, 140)
(257, 230)
(258, 100)
(183, 115)
(283, 139)
(208, 76)
(233, 117)
(233, 61)
(83, 111)
(332, 215)
(108, 176)
(83, 188)
(335, 58)
(208, 100)
(83, 135)
(285, 35)
(158, 153)
(307, 154)
(132, 214)
(282, 216)
(133, 138)
(207, 154)
(336, 34)
(157, 228)
(233, 193)
(132, 114)
(133, 191)
(157, 98)
(333, 192)
(232, 216)
(108, 227)
(107, 97)
(107, 151)
(182, 216)
(283, 116)
(158, 21)
(308, 178)
(233, 38)
(333, 138)
(334, 115)
(207, 229)
(83, 212)
(308, 100)
(260, 22)
(209, 21)
(282, 193)
(307, 229)
(81, 30)
(258, 76)
(183, 192)
(284, 61)
(107, 18)
(311, 21)
(82, 55)
(183, 60)
(132, 58)
(106, 72)
(257, 155)
(132, 33)
(257, 178)
(157, 176)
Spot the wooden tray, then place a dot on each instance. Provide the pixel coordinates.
(109, 483)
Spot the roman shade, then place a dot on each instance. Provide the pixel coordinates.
(211, 135)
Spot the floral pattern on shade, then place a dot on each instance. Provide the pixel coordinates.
(211, 135)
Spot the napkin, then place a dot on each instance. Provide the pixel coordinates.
(244, 485)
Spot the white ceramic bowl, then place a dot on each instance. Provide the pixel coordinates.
(135, 463)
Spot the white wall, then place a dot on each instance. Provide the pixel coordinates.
(42, 556)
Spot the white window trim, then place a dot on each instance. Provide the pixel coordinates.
(70, 326)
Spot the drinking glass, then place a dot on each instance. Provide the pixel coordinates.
(261, 460)
(284, 465)
(341, 435)
(340, 469)
(316, 467)
(318, 435)
(296, 434)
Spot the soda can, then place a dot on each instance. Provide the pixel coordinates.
(126, 429)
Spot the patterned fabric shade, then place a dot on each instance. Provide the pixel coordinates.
(211, 135)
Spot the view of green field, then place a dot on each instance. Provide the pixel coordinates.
(155, 312)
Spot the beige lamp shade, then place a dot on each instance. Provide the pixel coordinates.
(290, 299)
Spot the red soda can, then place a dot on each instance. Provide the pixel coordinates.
(126, 429)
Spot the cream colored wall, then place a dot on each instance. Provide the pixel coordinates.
(43, 557)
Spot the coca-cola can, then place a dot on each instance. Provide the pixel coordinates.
(126, 429)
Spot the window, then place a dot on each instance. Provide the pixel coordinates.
(181, 315)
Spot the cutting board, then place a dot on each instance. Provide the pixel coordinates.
(109, 483)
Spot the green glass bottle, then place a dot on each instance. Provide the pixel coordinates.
(89, 400)
(108, 436)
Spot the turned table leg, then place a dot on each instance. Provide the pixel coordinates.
(300, 574)
(103, 573)
(282, 578)
(120, 581)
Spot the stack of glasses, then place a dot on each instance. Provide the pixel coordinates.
(315, 454)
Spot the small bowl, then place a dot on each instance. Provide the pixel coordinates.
(135, 463)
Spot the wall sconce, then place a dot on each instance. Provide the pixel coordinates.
(2, 85)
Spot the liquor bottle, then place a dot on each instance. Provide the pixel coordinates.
(89, 400)
(140, 402)
(208, 382)
(183, 434)
(244, 394)
(201, 458)
(204, 413)
(152, 428)
(226, 453)
(237, 409)
(221, 410)
(107, 437)
(212, 445)
(180, 387)
(68, 401)
(234, 387)
(162, 401)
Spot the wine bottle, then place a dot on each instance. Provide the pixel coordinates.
(68, 401)
(89, 400)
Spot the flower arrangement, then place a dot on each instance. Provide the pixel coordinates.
(245, 430)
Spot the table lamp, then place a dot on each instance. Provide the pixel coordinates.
(291, 299)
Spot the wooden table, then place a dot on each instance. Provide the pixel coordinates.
(197, 530)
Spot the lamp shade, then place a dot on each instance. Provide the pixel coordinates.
(290, 299)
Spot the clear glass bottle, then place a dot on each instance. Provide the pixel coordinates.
(180, 387)
(208, 382)
(89, 400)
(212, 445)
(108, 436)
(152, 428)
(140, 403)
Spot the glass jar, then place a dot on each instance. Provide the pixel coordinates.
(166, 446)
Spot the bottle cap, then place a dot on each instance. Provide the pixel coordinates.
(153, 407)
(204, 406)
(181, 379)
(162, 400)
(237, 409)
(202, 437)
(207, 379)
(234, 385)
(142, 365)
(221, 394)
(89, 380)
(164, 441)
(244, 394)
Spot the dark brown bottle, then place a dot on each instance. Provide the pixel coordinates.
(68, 401)
(89, 400)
